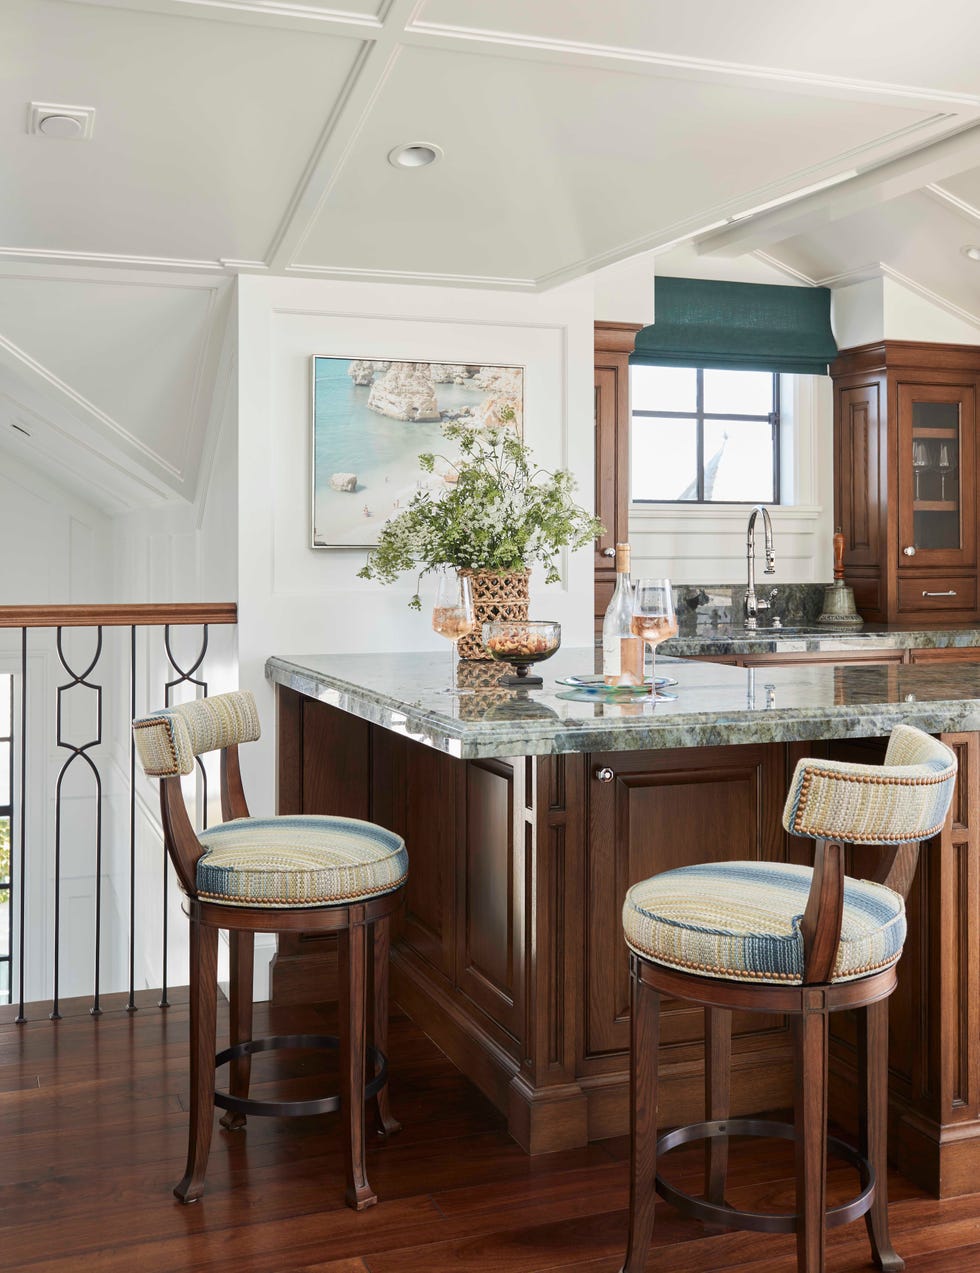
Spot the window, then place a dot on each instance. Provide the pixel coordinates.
(703, 436)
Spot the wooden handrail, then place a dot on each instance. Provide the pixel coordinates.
(117, 616)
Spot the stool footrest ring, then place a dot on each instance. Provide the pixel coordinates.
(294, 1109)
(760, 1221)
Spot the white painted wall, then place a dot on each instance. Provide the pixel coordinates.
(297, 600)
(179, 552)
(883, 308)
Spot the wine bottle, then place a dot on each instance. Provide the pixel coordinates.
(622, 652)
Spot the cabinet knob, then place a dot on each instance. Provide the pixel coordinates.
(609, 552)
(605, 774)
(909, 552)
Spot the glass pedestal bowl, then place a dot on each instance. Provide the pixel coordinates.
(521, 643)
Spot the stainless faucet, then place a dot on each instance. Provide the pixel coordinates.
(752, 603)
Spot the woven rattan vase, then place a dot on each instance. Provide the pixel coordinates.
(494, 597)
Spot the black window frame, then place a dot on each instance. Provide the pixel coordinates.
(699, 415)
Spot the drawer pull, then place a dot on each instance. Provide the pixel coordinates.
(605, 774)
(950, 593)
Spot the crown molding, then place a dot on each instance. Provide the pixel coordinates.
(557, 50)
(882, 270)
(950, 200)
(319, 18)
(136, 488)
(88, 409)
(354, 274)
(777, 264)
(934, 298)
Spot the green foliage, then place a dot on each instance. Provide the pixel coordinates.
(501, 513)
(4, 855)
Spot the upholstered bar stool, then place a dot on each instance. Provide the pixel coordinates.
(273, 875)
(773, 937)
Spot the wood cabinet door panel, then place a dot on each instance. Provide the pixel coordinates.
(859, 494)
(488, 956)
(419, 793)
(660, 811)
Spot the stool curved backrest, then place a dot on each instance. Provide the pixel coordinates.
(167, 742)
(896, 805)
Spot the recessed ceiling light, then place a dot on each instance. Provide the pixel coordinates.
(417, 154)
(971, 250)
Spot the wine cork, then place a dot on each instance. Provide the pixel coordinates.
(622, 559)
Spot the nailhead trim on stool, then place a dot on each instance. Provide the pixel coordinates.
(741, 921)
(298, 861)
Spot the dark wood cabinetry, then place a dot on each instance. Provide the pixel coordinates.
(613, 346)
(510, 951)
(905, 479)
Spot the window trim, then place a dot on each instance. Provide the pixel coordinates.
(699, 416)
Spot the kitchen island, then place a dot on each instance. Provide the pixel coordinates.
(528, 814)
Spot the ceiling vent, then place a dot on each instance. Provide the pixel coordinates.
(67, 122)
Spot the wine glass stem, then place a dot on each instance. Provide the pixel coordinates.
(452, 667)
(653, 670)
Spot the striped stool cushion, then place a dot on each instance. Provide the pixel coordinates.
(741, 921)
(298, 861)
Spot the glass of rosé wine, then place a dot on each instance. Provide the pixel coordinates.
(654, 618)
(453, 615)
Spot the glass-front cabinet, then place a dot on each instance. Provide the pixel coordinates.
(905, 480)
(937, 526)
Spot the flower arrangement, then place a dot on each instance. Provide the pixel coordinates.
(499, 512)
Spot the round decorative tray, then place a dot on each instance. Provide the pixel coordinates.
(594, 684)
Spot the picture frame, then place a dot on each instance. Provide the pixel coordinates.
(372, 417)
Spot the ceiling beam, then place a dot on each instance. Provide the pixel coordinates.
(366, 80)
(890, 180)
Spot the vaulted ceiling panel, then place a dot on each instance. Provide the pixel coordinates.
(551, 167)
(915, 238)
(130, 359)
(889, 41)
(202, 129)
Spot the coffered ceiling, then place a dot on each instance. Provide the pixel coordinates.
(252, 136)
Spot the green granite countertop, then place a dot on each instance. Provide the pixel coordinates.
(715, 704)
(734, 639)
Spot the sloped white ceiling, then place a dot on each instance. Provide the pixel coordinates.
(252, 135)
(867, 40)
(537, 155)
(202, 129)
(133, 351)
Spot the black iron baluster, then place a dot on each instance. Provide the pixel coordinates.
(76, 751)
(22, 815)
(131, 1005)
(182, 677)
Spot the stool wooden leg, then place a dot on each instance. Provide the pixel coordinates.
(387, 1124)
(204, 997)
(717, 1098)
(644, 1044)
(873, 1095)
(353, 1050)
(811, 1029)
(242, 962)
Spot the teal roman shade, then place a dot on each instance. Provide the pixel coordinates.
(738, 327)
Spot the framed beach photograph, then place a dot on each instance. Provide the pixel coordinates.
(371, 419)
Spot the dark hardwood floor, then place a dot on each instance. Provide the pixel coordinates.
(92, 1139)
